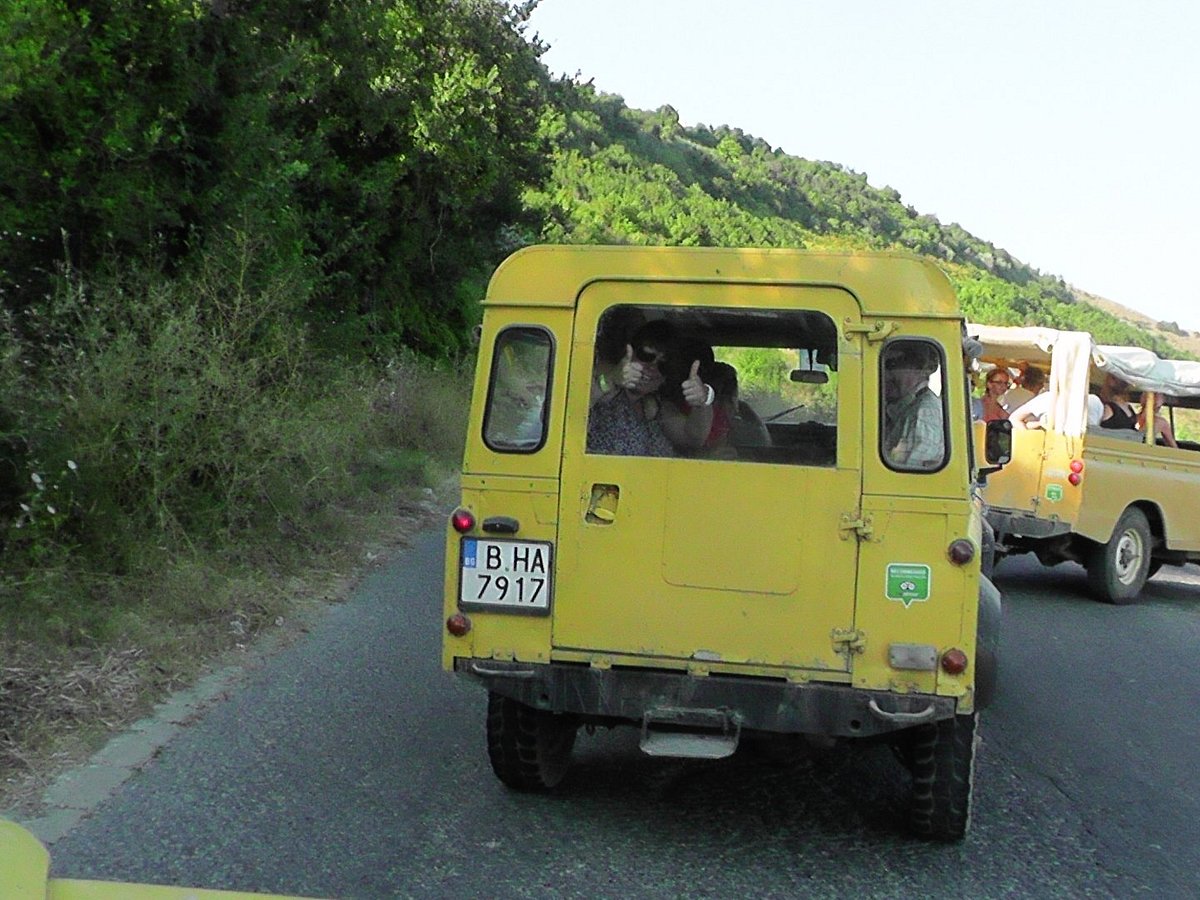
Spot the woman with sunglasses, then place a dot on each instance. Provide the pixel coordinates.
(636, 421)
(991, 405)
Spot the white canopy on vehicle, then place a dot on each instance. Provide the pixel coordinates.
(1071, 354)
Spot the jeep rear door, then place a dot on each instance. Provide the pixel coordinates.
(747, 559)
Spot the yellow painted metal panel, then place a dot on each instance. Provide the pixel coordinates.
(912, 534)
(1015, 487)
(543, 463)
(704, 559)
(500, 634)
(25, 864)
(886, 283)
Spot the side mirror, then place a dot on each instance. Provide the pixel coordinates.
(997, 443)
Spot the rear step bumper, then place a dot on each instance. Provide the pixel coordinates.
(637, 696)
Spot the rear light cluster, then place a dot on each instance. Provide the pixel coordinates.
(1076, 475)
(461, 520)
(954, 662)
(961, 551)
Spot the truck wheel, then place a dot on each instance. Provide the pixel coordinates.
(530, 749)
(1118, 570)
(942, 759)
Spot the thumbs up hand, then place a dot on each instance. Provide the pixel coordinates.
(630, 372)
(695, 391)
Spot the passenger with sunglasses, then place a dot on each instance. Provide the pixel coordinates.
(615, 330)
(635, 421)
(991, 405)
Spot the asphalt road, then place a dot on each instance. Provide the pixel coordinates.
(350, 765)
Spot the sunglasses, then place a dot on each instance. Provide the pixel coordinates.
(649, 355)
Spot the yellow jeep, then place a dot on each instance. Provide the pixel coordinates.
(1121, 501)
(708, 492)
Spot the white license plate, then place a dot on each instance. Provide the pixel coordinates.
(513, 575)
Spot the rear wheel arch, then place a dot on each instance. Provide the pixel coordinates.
(1154, 518)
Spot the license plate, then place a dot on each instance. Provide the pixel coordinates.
(510, 575)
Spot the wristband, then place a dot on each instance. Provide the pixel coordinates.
(712, 395)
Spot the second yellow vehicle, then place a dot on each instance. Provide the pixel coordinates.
(1106, 492)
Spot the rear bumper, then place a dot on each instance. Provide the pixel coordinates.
(756, 704)
(1007, 522)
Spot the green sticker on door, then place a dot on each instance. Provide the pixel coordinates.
(1054, 492)
(908, 582)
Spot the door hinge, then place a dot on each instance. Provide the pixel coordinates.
(861, 526)
(848, 640)
(875, 331)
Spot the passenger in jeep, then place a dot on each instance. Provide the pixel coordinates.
(616, 328)
(914, 437)
(1162, 428)
(1118, 410)
(689, 412)
(627, 421)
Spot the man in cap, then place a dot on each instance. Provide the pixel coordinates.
(914, 435)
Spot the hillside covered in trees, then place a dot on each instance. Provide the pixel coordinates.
(231, 231)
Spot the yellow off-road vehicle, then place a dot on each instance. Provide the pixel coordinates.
(710, 492)
(1120, 501)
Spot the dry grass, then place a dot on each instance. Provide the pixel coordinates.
(40, 695)
(58, 704)
(1189, 343)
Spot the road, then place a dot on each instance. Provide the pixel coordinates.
(350, 765)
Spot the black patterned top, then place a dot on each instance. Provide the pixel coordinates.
(619, 427)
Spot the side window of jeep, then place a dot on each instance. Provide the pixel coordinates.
(514, 420)
(763, 385)
(913, 406)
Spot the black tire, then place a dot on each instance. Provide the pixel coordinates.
(942, 759)
(1118, 570)
(530, 749)
(989, 557)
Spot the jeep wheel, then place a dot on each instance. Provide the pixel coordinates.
(1118, 570)
(530, 749)
(942, 759)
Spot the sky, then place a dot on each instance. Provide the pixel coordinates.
(1065, 132)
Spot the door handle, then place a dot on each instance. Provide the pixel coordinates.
(501, 525)
(602, 508)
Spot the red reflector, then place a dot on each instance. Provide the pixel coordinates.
(458, 624)
(1074, 478)
(961, 552)
(462, 520)
(954, 662)
(1077, 465)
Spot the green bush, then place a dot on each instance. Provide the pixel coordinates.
(188, 425)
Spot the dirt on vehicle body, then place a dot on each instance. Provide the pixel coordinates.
(807, 561)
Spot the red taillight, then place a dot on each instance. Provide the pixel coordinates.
(1077, 465)
(458, 624)
(954, 662)
(961, 552)
(1074, 478)
(462, 520)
